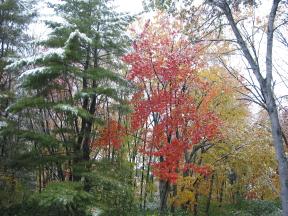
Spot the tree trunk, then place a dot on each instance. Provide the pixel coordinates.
(142, 180)
(280, 153)
(39, 179)
(221, 193)
(163, 190)
(266, 89)
(147, 181)
(210, 194)
(195, 206)
(174, 189)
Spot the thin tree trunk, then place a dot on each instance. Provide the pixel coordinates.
(221, 193)
(40, 180)
(108, 126)
(195, 206)
(60, 172)
(210, 194)
(85, 105)
(174, 189)
(142, 181)
(163, 189)
(92, 109)
(142, 176)
(147, 180)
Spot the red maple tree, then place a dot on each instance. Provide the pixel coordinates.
(164, 66)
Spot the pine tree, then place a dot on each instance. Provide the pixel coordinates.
(71, 81)
(95, 23)
(15, 16)
(64, 92)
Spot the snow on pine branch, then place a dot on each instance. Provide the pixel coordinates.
(34, 71)
(76, 111)
(59, 52)
(67, 108)
(3, 95)
(3, 124)
(81, 36)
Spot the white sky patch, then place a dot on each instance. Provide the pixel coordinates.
(130, 6)
(40, 31)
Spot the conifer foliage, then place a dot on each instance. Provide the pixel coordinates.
(66, 83)
(64, 92)
(15, 16)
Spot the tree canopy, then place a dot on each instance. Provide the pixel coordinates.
(174, 111)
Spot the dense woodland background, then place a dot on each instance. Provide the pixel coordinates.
(169, 112)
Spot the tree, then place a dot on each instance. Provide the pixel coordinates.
(78, 55)
(67, 92)
(15, 16)
(263, 93)
(172, 104)
(266, 86)
(105, 27)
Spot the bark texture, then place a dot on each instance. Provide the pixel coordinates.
(266, 88)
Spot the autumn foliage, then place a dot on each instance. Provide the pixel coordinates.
(110, 136)
(170, 102)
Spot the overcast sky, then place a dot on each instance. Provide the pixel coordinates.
(135, 6)
(40, 31)
(132, 6)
